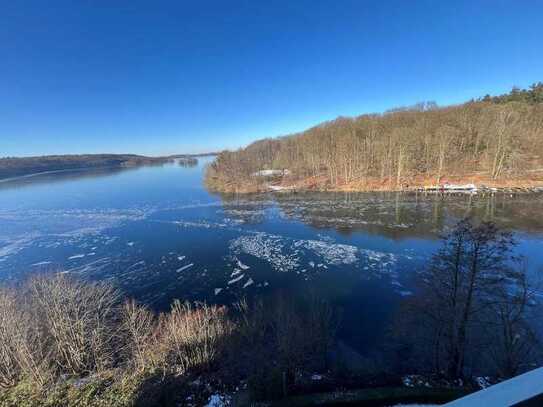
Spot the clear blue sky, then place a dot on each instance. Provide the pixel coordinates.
(157, 77)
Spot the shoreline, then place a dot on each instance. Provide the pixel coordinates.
(19, 168)
(122, 166)
(36, 174)
(460, 185)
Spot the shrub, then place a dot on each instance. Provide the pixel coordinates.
(9, 329)
(192, 337)
(79, 319)
(24, 346)
(139, 330)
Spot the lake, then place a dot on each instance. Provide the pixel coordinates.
(158, 234)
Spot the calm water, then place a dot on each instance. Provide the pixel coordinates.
(159, 235)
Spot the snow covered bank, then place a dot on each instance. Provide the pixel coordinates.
(271, 173)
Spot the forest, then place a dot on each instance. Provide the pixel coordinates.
(493, 141)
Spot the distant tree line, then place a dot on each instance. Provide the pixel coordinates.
(19, 166)
(492, 138)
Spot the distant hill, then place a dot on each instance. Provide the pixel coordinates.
(18, 166)
(494, 140)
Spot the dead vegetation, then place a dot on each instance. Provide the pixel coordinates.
(56, 330)
(491, 141)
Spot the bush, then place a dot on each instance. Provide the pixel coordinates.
(139, 330)
(192, 338)
(25, 345)
(79, 319)
(9, 330)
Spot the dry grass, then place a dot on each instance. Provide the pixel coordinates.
(9, 330)
(79, 320)
(56, 332)
(139, 328)
(192, 337)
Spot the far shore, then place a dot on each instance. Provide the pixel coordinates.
(15, 168)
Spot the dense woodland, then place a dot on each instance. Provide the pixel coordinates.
(491, 140)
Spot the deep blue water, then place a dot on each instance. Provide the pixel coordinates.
(158, 234)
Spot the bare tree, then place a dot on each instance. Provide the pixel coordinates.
(490, 141)
(465, 278)
(514, 344)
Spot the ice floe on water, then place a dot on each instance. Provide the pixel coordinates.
(248, 251)
(243, 216)
(95, 266)
(266, 247)
(12, 247)
(242, 266)
(185, 267)
(140, 264)
(309, 258)
(41, 263)
(204, 224)
(332, 253)
(235, 280)
(248, 283)
(76, 256)
(382, 257)
(286, 254)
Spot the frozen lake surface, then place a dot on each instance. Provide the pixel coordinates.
(158, 234)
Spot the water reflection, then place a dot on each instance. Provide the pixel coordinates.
(401, 215)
